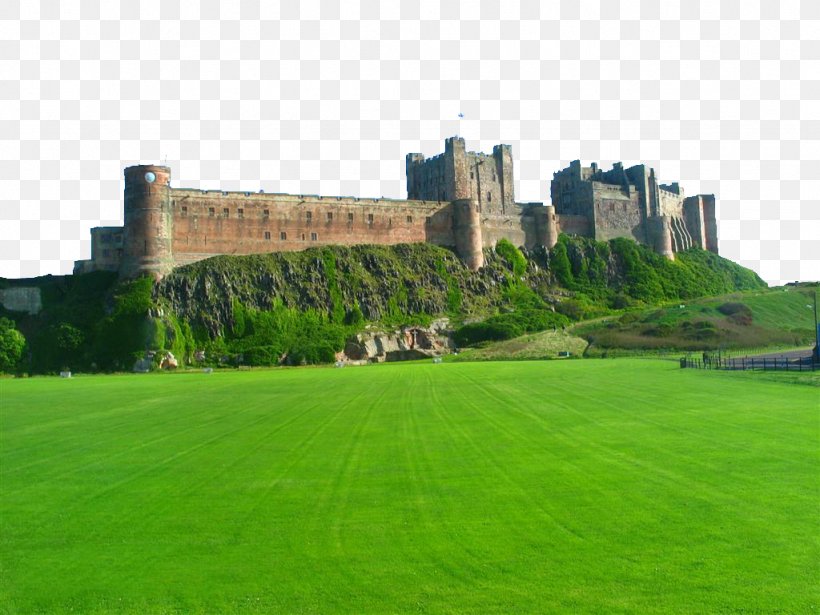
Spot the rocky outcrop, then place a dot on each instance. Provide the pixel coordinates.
(402, 344)
(379, 280)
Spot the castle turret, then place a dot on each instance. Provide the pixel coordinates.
(456, 171)
(412, 162)
(504, 161)
(147, 241)
(546, 228)
(467, 233)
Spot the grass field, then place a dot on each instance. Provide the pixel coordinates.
(573, 486)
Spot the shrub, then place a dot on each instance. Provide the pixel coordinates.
(513, 256)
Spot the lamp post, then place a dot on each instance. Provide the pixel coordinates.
(816, 353)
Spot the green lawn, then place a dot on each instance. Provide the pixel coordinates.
(564, 486)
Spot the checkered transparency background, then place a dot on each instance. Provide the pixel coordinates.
(327, 97)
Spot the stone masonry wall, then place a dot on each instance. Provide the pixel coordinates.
(207, 223)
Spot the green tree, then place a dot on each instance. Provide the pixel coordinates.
(560, 265)
(12, 344)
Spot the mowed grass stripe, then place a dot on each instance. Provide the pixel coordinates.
(617, 486)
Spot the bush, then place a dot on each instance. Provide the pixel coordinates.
(477, 332)
(354, 316)
(261, 355)
(309, 353)
(738, 313)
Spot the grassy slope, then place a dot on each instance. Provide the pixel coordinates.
(483, 487)
(533, 346)
(780, 319)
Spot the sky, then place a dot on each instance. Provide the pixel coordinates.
(307, 97)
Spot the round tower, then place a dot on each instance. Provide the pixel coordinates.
(467, 233)
(546, 228)
(148, 233)
(662, 232)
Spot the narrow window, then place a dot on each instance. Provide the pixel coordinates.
(226, 212)
(184, 211)
(314, 236)
(370, 218)
(471, 175)
(350, 217)
(489, 197)
(211, 212)
(283, 236)
(493, 175)
(266, 213)
(330, 216)
(240, 213)
(428, 220)
(308, 216)
(267, 235)
(303, 236)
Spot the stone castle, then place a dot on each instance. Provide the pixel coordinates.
(458, 199)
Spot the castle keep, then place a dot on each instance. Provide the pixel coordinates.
(458, 199)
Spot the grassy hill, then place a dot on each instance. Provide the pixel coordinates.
(519, 487)
(299, 307)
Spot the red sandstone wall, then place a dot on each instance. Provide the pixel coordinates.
(207, 223)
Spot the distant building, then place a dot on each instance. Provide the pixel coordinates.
(459, 199)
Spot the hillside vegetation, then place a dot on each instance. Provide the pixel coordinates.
(299, 307)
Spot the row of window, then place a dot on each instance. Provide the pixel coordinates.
(110, 238)
(240, 213)
(283, 236)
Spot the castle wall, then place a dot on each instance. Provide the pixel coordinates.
(426, 178)
(208, 223)
(575, 225)
(106, 250)
(616, 212)
(519, 230)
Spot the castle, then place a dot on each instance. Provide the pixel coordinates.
(458, 199)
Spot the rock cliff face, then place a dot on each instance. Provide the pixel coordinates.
(380, 280)
(402, 344)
